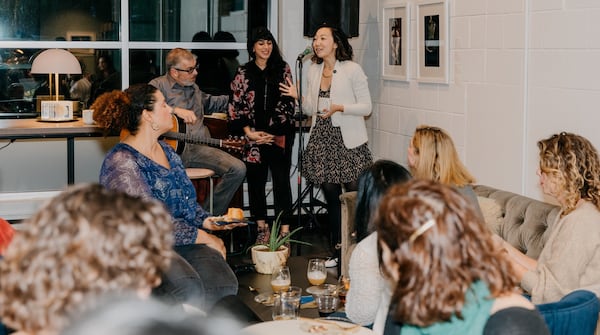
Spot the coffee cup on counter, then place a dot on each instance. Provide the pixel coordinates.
(88, 116)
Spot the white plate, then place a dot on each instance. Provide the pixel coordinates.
(316, 290)
(304, 326)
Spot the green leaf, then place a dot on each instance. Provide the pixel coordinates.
(275, 241)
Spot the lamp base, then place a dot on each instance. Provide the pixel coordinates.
(61, 110)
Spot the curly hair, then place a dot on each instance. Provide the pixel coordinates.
(573, 162)
(438, 159)
(83, 243)
(344, 50)
(118, 110)
(438, 248)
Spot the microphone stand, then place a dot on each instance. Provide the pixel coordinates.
(299, 117)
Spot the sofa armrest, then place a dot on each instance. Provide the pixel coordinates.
(348, 230)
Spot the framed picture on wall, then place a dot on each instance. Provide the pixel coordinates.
(432, 41)
(395, 40)
(81, 36)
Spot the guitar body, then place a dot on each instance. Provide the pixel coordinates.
(178, 127)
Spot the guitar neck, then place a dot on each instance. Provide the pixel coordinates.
(193, 139)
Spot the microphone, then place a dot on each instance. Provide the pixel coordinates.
(306, 51)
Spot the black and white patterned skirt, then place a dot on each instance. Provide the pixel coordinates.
(327, 160)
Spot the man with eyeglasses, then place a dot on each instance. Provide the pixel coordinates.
(189, 105)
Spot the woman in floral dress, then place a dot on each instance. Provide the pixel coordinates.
(258, 111)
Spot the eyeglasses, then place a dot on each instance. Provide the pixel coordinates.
(190, 70)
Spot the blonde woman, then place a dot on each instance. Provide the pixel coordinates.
(433, 156)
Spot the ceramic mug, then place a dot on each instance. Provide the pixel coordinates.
(88, 116)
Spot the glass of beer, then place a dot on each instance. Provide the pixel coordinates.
(316, 271)
(281, 279)
(343, 287)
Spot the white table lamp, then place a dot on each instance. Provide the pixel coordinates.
(56, 61)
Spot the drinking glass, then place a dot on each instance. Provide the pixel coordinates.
(281, 279)
(316, 272)
(343, 287)
(286, 305)
(327, 304)
(322, 105)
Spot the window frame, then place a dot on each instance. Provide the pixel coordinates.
(125, 45)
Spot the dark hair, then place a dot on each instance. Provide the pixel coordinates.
(434, 242)
(109, 62)
(118, 110)
(201, 36)
(344, 49)
(275, 61)
(372, 184)
(225, 36)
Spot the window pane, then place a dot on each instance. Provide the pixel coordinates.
(20, 90)
(60, 20)
(216, 68)
(179, 20)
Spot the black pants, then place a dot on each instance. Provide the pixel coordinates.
(278, 161)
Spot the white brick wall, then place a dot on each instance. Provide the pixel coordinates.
(521, 70)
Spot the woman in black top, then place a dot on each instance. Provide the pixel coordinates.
(259, 111)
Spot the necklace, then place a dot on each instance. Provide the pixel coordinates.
(329, 76)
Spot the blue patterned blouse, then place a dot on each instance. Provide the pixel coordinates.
(127, 170)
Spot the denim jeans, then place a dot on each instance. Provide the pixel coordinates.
(198, 276)
(575, 313)
(231, 170)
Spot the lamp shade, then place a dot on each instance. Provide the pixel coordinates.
(55, 61)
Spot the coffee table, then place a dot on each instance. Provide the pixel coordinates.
(262, 283)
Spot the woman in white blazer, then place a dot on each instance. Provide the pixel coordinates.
(338, 99)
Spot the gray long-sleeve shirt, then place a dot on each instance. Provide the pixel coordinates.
(192, 98)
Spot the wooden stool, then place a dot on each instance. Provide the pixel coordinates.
(200, 173)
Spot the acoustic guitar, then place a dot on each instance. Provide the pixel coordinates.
(233, 144)
(177, 138)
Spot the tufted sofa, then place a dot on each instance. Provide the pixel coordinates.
(520, 220)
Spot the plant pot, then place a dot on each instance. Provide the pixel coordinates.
(266, 261)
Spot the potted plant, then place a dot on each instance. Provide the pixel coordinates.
(267, 257)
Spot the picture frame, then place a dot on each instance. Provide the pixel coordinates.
(395, 40)
(81, 36)
(432, 41)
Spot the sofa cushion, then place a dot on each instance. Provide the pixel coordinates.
(492, 213)
(525, 220)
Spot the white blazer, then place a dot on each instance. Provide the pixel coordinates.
(349, 88)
